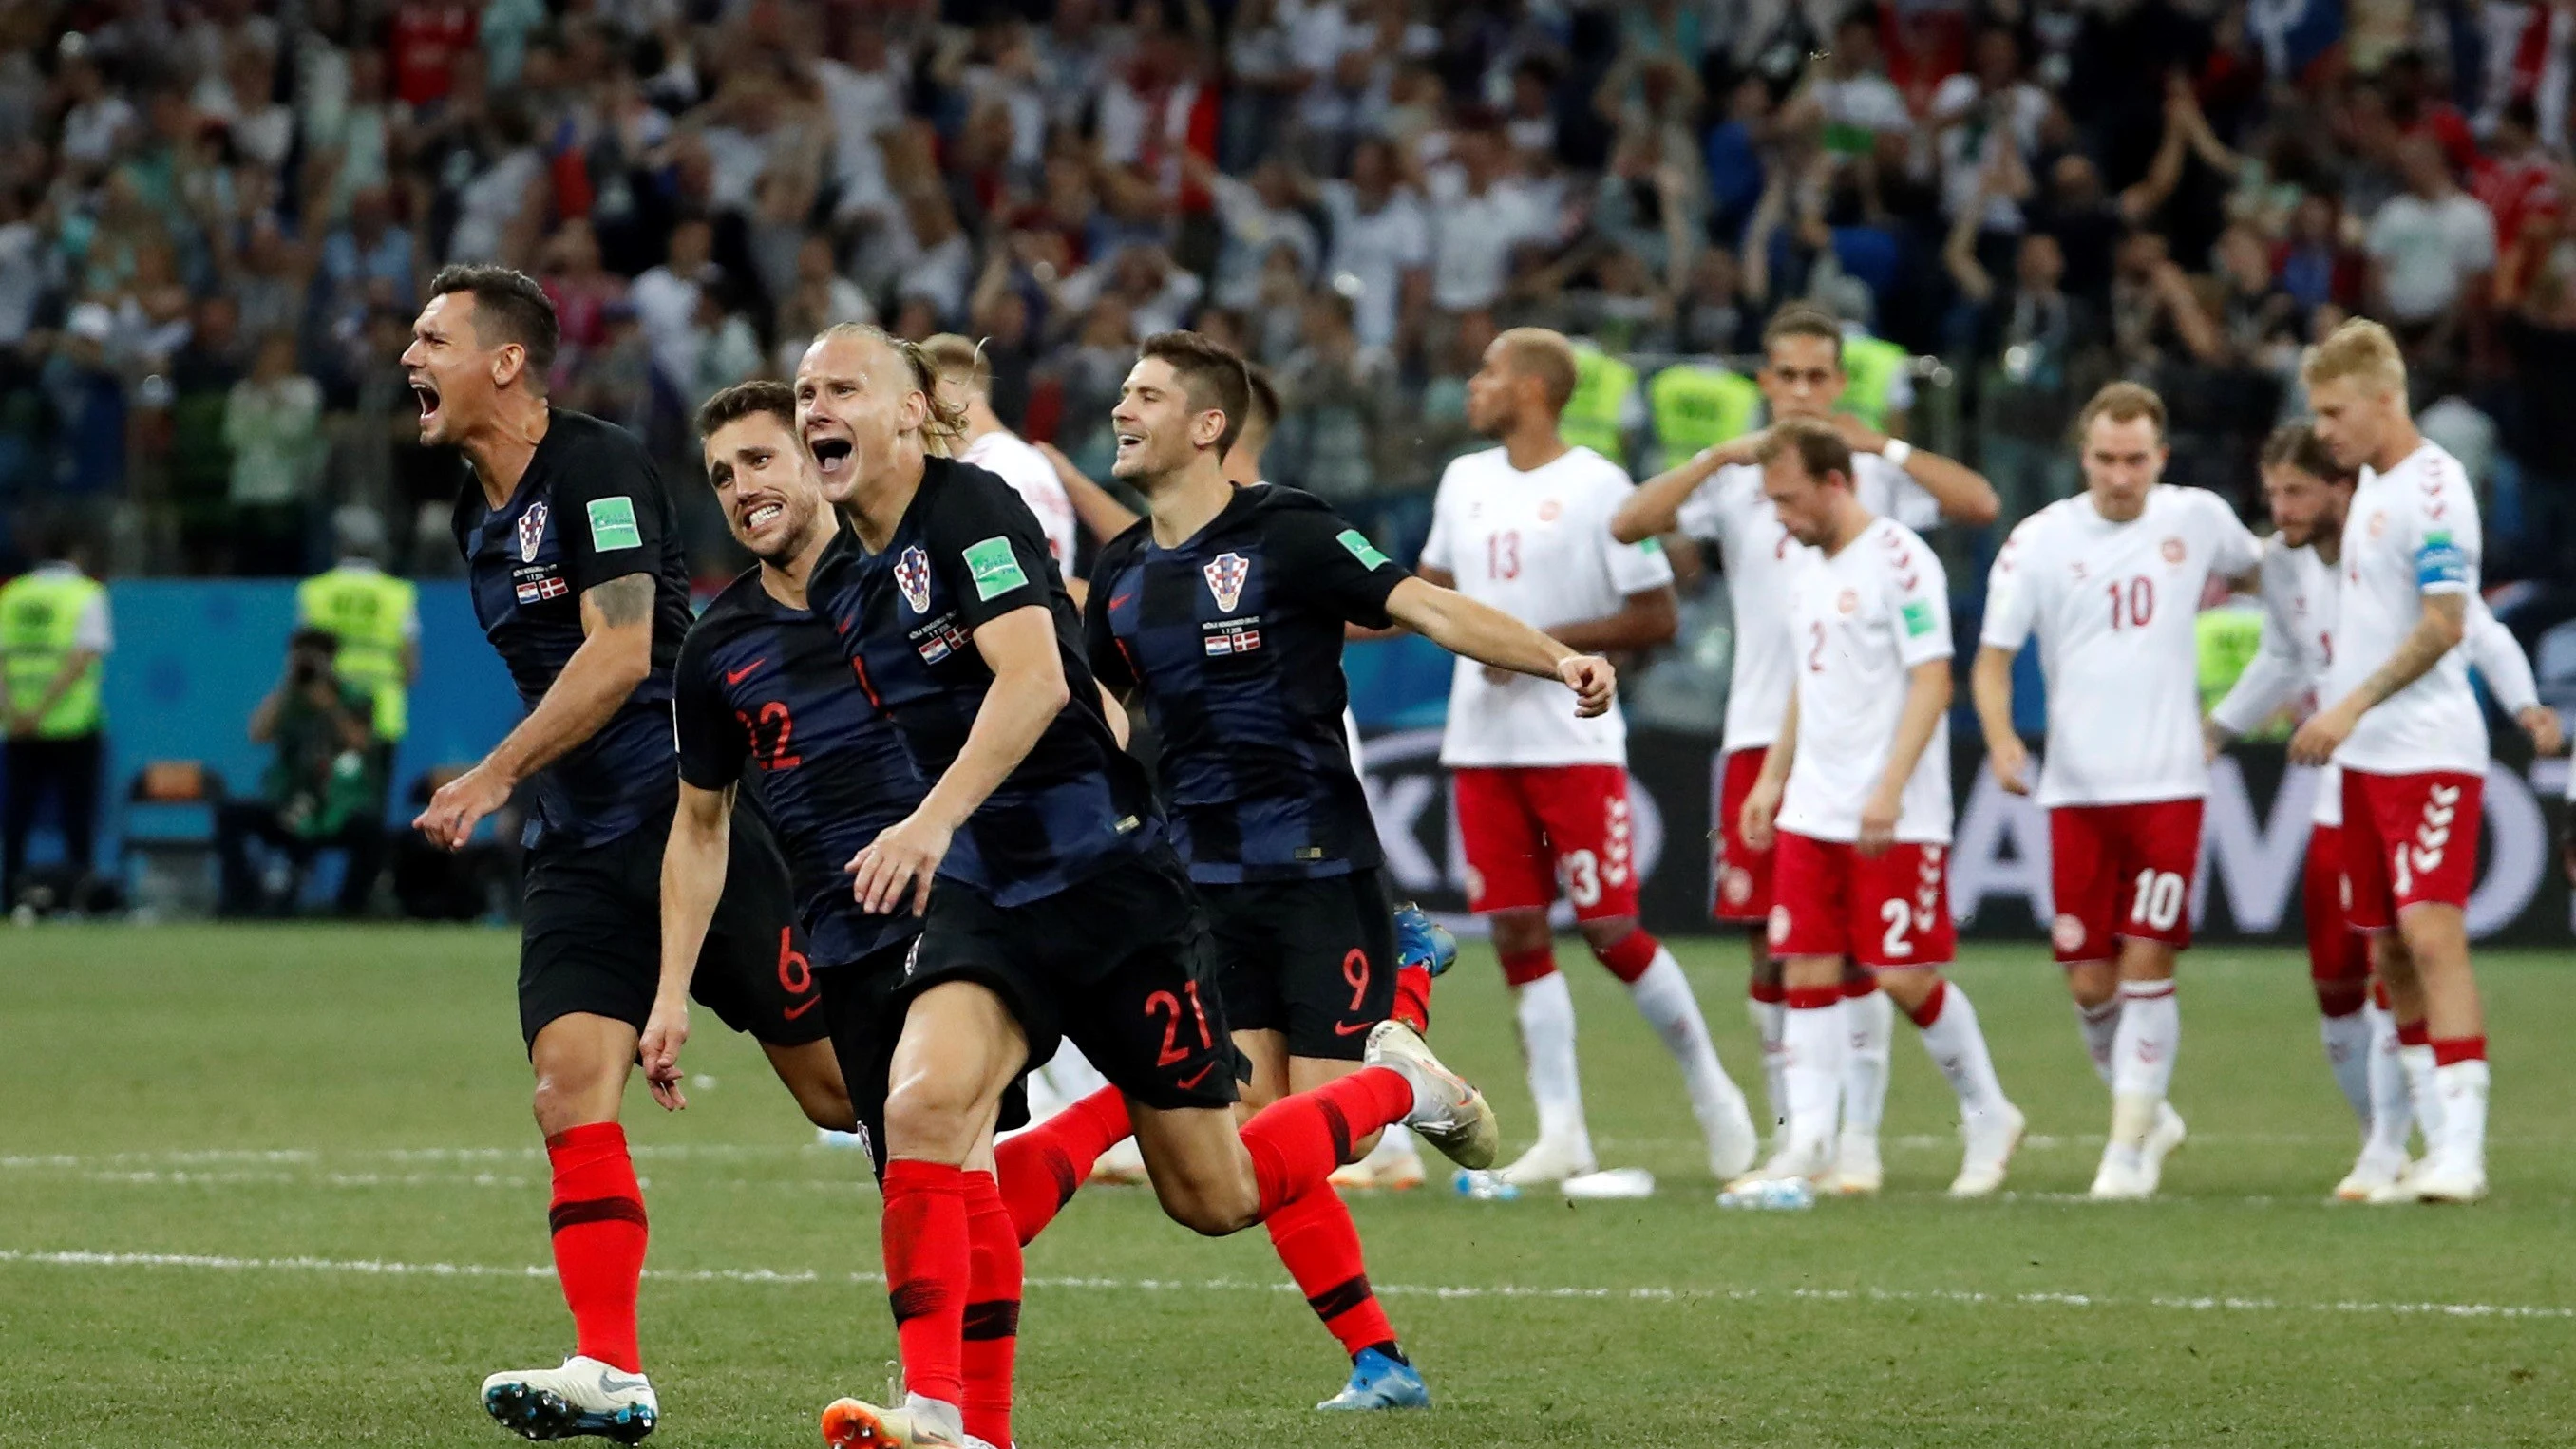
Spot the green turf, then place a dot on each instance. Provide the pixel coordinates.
(357, 1096)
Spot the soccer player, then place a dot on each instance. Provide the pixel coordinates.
(2401, 720)
(966, 382)
(1718, 495)
(1224, 615)
(1059, 909)
(2110, 581)
(2381, 1063)
(1542, 795)
(573, 553)
(1856, 793)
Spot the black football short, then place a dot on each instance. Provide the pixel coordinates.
(1313, 960)
(590, 938)
(1117, 963)
(863, 1003)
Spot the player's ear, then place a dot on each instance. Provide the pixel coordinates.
(508, 361)
(915, 410)
(1207, 427)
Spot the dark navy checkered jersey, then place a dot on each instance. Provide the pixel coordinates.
(766, 699)
(1234, 640)
(589, 510)
(967, 552)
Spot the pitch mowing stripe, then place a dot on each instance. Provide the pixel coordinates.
(377, 1267)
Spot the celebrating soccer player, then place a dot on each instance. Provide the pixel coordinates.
(573, 552)
(1542, 795)
(2110, 581)
(1059, 909)
(1856, 791)
(1718, 495)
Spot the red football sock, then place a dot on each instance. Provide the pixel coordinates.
(1040, 1169)
(1520, 968)
(598, 1221)
(1630, 955)
(992, 1325)
(2453, 1050)
(2414, 1034)
(1413, 997)
(1297, 1141)
(928, 1274)
(1320, 1246)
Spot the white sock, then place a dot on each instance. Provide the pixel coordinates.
(2462, 1087)
(2417, 1061)
(1871, 1021)
(2142, 1055)
(1770, 1019)
(1546, 1012)
(1814, 1042)
(2347, 1039)
(1958, 1047)
(2100, 1024)
(1664, 999)
(2392, 1106)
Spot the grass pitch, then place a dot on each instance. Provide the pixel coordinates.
(278, 1186)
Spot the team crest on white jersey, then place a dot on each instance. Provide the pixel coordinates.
(1225, 575)
(912, 575)
(532, 531)
(2173, 550)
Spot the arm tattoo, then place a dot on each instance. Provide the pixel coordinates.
(623, 601)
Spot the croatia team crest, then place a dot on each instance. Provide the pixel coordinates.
(1225, 574)
(912, 575)
(532, 531)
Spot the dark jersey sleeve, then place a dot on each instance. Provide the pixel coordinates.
(1099, 640)
(1330, 560)
(712, 742)
(612, 515)
(986, 545)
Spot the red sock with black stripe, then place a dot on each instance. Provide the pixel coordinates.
(599, 1233)
(991, 1333)
(1040, 1170)
(1320, 1246)
(1297, 1141)
(928, 1274)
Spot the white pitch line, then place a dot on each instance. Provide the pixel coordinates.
(376, 1267)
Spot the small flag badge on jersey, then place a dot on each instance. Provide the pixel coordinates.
(1225, 576)
(912, 575)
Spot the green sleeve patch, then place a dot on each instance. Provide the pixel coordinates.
(1361, 549)
(994, 568)
(612, 525)
(1918, 619)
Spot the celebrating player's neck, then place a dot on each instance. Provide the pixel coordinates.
(2397, 442)
(784, 577)
(885, 487)
(1845, 520)
(499, 449)
(1186, 499)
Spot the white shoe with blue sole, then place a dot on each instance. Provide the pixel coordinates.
(584, 1397)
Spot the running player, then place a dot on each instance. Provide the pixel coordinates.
(1718, 495)
(2400, 718)
(1059, 907)
(573, 553)
(1225, 616)
(1541, 795)
(2380, 1062)
(2110, 581)
(1856, 792)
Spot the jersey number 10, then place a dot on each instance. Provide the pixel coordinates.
(2137, 599)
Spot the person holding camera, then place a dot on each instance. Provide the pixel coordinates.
(324, 789)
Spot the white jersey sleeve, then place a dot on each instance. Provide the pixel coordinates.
(2496, 654)
(1033, 478)
(2275, 675)
(1860, 622)
(2010, 600)
(1438, 551)
(1761, 562)
(2412, 533)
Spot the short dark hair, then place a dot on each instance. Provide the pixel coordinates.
(1265, 396)
(744, 399)
(1798, 319)
(509, 306)
(1215, 377)
(1819, 447)
(2297, 445)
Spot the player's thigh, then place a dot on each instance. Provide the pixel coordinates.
(2158, 854)
(1899, 909)
(2365, 852)
(2083, 878)
(2336, 952)
(1195, 1158)
(812, 1076)
(1810, 898)
(959, 1052)
(590, 937)
(861, 1011)
(2427, 829)
(1151, 1020)
(1508, 867)
(1591, 834)
(1337, 963)
(1743, 874)
(753, 971)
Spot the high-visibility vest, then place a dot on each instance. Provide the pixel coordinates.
(40, 616)
(2225, 640)
(1697, 406)
(365, 610)
(1870, 368)
(1602, 385)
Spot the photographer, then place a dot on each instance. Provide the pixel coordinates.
(324, 789)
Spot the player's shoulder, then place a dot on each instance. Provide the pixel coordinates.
(595, 440)
(1593, 472)
(2281, 564)
(1483, 465)
(737, 606)
(1122, 550)
(1274, 502)
(953, 490)
(1898, 550)
(2040, 528)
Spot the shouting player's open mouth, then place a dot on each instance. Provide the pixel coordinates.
(427, 392)
(831, 455)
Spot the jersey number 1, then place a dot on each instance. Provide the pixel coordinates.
(1503, 555)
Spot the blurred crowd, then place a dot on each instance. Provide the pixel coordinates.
(215, 218)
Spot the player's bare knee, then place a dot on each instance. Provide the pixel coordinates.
(1519, 930)
(1607, 932)
(1909, 988)
(933, 1118)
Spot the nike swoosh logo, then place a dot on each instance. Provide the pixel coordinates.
(1191, 1082)
(737, 676)
(1120, 601)
(794, 1012)
(616, 1385)
(1351, 1028)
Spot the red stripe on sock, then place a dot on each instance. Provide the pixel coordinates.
(1813, 998)
(990, 1328)
(928, 1274)
(2379, 994)
(597, 1217)
(2146, 990)
(2451, 1050)
(1858, 988)
(1039, 1170)
(1520, 968)
(1630, 955)
(1769, 993)
(1320, 1247)
(2413, 1034)
(1930, 1011)
(2339, 998)
(1297, 1141)
(1413, 997)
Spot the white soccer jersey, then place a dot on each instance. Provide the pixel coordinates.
(2412, 531)
(1858, 621)
(1759, 558)
(1033, 478)
(1537, 546)
(2114, 605)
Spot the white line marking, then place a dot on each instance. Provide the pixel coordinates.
(376, 1267)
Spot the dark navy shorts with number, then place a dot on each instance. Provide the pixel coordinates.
(1311, 959)
(590, 937)
(1118, 963)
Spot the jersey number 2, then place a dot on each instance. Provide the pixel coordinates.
(1164, 1002)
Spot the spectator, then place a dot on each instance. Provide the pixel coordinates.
(1381, 243)
(1481, 215)
(2431, 248)
(366, 263)
(322, 788)
(55, 636)
(273, 425)
(666, 302)
(2036, 350)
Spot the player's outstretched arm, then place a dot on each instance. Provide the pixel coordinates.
(1099, 511)
(1990, 685)
(1655, 506)
(693, 880)
(2444, 624)
(1927, 698)
(2495, 653)
(1027, 692)
(1491, 637)
(2271, 679)
(616, 653)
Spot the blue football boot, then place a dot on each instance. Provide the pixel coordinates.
(1422, 941)
(1379, 1382)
